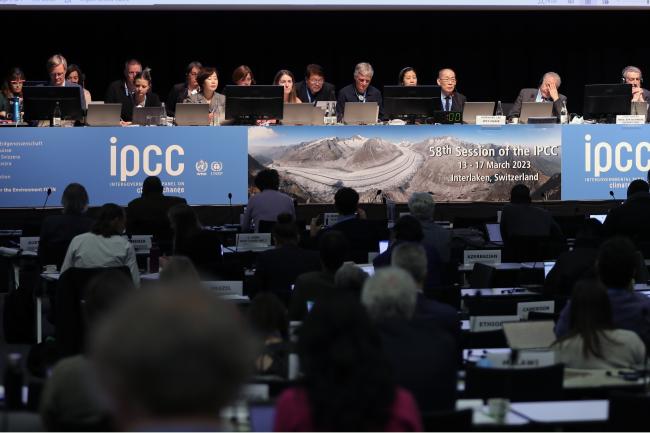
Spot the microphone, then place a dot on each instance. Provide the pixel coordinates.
(49, 193)
(612, 194)
(376, 195)
(230, 204)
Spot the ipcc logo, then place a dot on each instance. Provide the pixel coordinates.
(623, 156)
(129, 160)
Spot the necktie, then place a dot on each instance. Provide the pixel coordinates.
(447, 103)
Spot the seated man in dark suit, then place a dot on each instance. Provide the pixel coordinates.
(180, 91)
(450, 99)
(423, 356)
(547, 92)
(315, 88)
(631, 218)
(57, 66)
(120, 91)
(633, 75)
(312, 286)
(147, 215)
(360, 91)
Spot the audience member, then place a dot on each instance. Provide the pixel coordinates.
(171, 360)
(593, 341)
(630, 219)
(616, 265)
(57, 231)
(12, 87)
(450, 99)
(178, 271)
(243, 76)
(423, 356)
(104, 245)
(142, 96)
(350, 279)
(314, 88)
(182, 91)
(632, 75)
(347, 383)
(57, 66)
(74, 75)
(407, 77)
(208, 80)
(269, 320)
(360, 91)
(285, 79)
(147, 214)
(268, 203)
(422, 207)
(120, 91)
(547, 92)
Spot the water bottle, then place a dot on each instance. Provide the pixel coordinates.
(13, 382)
(15, 102)
(328, 112)
(564, 114)
(163, 115)
(333, 114)
(499, 111)
(56, 115)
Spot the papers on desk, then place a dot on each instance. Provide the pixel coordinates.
(563, 411)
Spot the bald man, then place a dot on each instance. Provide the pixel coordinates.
(450, 99)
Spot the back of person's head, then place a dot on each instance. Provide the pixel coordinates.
(590, 233)
(333, 248)
(110, 220)
(285, 231)
(267, 179)
(389, 294)
(422, 206)
(171, 357)
(350, 279)
(412, 258)
(183, 220)
(74, 199)
(408, 229)
(346, 375)
(179, 272)
(268, 315)
(152, 186)
(617, 261)
(520, 194)
(104, 292)
(346, 201)
(636, 186)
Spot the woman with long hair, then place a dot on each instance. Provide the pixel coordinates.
(142, 96)
(285, 79)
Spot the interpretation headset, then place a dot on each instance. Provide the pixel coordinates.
(400, 77)
(631, 69)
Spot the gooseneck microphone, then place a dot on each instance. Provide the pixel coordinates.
(230, 204)
(612, 194)
(49, 193)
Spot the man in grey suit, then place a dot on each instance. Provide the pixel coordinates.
(547, 92)
(632, 75)
(450, 99)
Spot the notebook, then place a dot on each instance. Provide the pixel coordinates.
(473, 109)
(103, 114)
(188, 114)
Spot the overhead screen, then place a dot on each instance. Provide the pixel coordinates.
(326, 4)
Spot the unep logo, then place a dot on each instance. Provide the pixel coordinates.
(201, 166)
(216, 166)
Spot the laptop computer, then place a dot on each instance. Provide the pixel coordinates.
(188, 114)
(146, 115)
(103, 114)
(536, 334)
(600, 218)
(473, 109)
(639, 108)
(494, 233)
(361, 113)
(535, 109)
(547, 268)
(302, 114)
(383, 246)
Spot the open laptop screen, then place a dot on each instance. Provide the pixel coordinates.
(494, 233)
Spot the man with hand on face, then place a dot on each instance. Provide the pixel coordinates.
(632, 75)
(314, 88)
(360, 91)
(547, 92)
(450, 99)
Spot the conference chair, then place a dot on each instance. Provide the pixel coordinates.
(482, 276)
(531, 249)
(266, 226)
(453, 420)
(628, 411)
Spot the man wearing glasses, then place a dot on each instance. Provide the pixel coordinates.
(450, 99)
(56, 68)
(360, 90)
(314, 88)
(180, 91)
(632, 75)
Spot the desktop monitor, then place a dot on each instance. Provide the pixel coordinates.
(246, 104)
(410, 102)
(39, 102)
(604, 101)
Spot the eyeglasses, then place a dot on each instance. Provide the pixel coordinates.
(316, 81)
(193, 74)
(448, 80)
(15, 83)
(57, 74)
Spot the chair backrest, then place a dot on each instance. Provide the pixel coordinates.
(627, 411)
(531, 248)
(265, 226)
(482, 276)
(453, 420)
(517, 384)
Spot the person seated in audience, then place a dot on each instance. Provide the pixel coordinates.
(593, 341)
(360, 90)
(347, 384)
(147, 214)
(407, 229)
(311, 287)
(208, 80)
(633, 75)
(616, 266)
(269, 320)
(74, 75)
(412, 258)
(350, 279)
(70, 399)
(423, 356)
(547, 92)
(178, 271)
(450, 99)
(422, 207)
(120, 91)
(57, 231)
(630, 219)
(57, 66)
(314, 88)
(407, 77)
(268, 203)
(171, 360)
(201, 246)
(243, 76)
(276, 270)
(103, 246)
(142, 96)
(12, 87)
(285, 79)
(580, 262)
(182, 91)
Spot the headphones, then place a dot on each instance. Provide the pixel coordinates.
(630, 69)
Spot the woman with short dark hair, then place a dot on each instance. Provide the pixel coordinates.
(208, 80)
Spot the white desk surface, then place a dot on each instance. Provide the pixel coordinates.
(563, 411)
(480, 413)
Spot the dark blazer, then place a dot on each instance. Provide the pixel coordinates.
(148, 216)
(116, 94)
(630, 219)
(443, 315)
(327, 93)
(56, 233)
(203, 248)
(530, 95)
(363, 236)
(525, 220)
(348, 94)
(127, 108)
(177, 94)
(457, 102)
(570, 267)
(311, 286)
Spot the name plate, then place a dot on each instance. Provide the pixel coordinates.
(253, 240)
(489, 323)
(490, 120)
(630, 119)
(141, 243)
(525, 359)
(481, 256)
(223, 288)
(29, 243)
(523, 308)
(255, 392)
